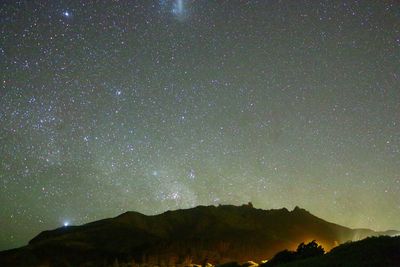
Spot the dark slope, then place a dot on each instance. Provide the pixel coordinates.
(373, 251)
(216, 234)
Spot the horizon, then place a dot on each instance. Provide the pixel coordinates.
(245, 205)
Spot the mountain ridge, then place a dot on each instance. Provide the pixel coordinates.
(215, 234)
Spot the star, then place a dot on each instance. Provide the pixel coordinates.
(192, 174)
(67, 14)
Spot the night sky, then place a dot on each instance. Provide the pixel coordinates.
(109, 106)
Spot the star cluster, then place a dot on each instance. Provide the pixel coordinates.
(109, 106)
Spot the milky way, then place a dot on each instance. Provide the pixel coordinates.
(109, 106)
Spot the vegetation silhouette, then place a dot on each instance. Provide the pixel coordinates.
(372, 251)
(312, 249)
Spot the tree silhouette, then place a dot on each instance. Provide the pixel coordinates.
(311, 249)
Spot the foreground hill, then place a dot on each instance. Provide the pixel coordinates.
(198, 235)
(373, 251)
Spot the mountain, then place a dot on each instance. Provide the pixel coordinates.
(198, 235)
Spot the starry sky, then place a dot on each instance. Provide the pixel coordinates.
(109, 106)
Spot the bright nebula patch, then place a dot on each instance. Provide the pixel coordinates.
(178, 9)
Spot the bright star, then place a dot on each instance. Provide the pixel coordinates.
(66, 14)
(66, 223)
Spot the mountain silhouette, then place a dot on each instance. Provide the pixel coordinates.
(204, 234)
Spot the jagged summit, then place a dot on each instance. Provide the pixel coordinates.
(298, 209)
